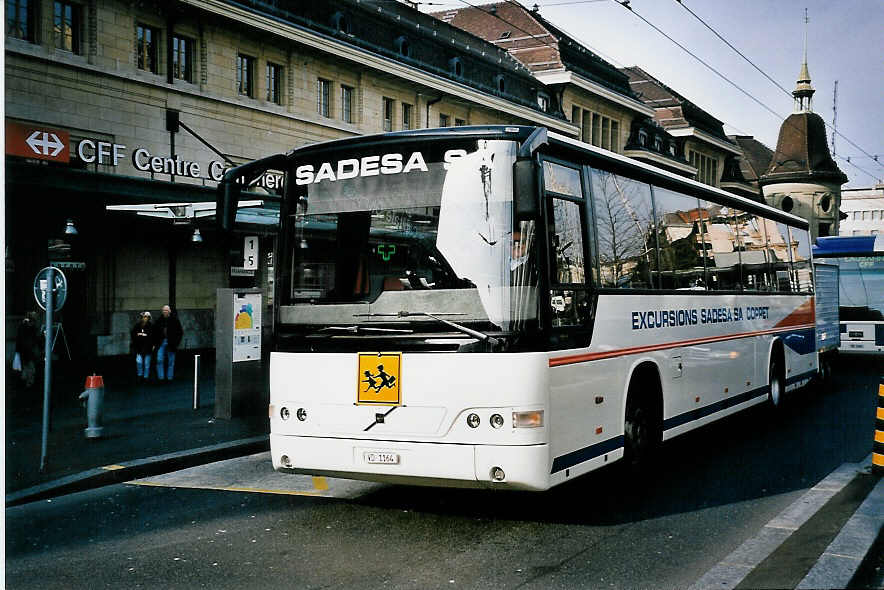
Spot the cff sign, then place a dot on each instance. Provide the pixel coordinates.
(32, 141)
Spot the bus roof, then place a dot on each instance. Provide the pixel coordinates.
(609, 160)
(833, 246)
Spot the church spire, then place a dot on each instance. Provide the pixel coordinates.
(803, 90)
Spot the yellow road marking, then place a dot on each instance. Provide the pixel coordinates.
(222, 488)
(320, 483)
(113, 467)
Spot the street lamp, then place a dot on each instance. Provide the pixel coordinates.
(69, 228)
(196, 238)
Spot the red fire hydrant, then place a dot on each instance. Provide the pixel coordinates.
(94, 396)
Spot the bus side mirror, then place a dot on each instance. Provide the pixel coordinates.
(226, 205)
(525, 196)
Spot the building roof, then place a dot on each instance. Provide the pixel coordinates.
(802, 152)
(535, 42)
(673, 110)
(756, 156)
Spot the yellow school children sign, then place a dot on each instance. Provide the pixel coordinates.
(379, 378)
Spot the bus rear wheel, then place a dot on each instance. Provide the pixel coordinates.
(777, 387)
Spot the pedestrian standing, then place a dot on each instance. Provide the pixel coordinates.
(142, 346)
(27, 346)
(167, 336)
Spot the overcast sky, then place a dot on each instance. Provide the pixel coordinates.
(845, 41)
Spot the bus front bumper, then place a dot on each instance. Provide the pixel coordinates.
(521, 467)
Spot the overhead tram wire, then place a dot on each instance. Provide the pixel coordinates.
(763, 73)
(625, 4)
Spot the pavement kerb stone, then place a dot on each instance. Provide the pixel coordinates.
(129, 470)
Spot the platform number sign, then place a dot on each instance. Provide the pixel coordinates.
(250, 253)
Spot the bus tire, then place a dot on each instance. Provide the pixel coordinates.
(776, 377)
(643, 425)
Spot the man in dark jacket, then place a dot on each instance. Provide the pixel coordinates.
(142, 346)
(167, 334)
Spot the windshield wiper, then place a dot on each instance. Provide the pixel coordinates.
(364, 329)
(491, 340)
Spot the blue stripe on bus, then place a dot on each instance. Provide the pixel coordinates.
(585, 454)
(847, 246)
(724, 404)
(801, 341)
(795, 378)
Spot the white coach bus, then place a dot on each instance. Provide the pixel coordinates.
(506, 307)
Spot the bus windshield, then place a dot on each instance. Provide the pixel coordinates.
(383, 235)
(862, 288)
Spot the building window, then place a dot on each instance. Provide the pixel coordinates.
(543, 101)
(66, 26)
(274, 83)
(147, 40)
(459, 123)
(182, 58)
(406, 115)
(455, 66)
(245, 75)
(388, 114)
(500, 83)
(444, 120)
(598, 130)
(707, 168)
(323, 96)
(347, 104)
(20, 19)
(403, 46)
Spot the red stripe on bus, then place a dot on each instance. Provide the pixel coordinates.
(803, 314)
(594, 356)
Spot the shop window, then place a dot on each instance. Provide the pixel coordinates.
(459, 122)
(182, 58)
(444, 120)
(67, 26)
(147, 43)
(21, 19)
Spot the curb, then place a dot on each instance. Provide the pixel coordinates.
(129, 470)
(839, 563)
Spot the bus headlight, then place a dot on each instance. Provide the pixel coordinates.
(496, 420)
(497, 474)
(533, 419)
(473, 420)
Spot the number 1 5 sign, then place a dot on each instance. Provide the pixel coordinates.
(250, 253)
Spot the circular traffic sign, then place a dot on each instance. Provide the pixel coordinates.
(59, 287)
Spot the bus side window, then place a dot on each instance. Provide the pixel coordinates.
(568, 264)
(801, 269)
(624, 227)
(679, 247)
(781, 252)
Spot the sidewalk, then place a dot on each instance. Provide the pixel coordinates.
(143, 423)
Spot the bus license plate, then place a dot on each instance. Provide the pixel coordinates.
(383, 458)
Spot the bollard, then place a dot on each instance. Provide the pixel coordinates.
(878, 449)
(94, 396)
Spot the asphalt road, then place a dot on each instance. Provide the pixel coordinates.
(716, 488)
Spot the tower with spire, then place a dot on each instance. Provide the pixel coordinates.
(802, 178)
